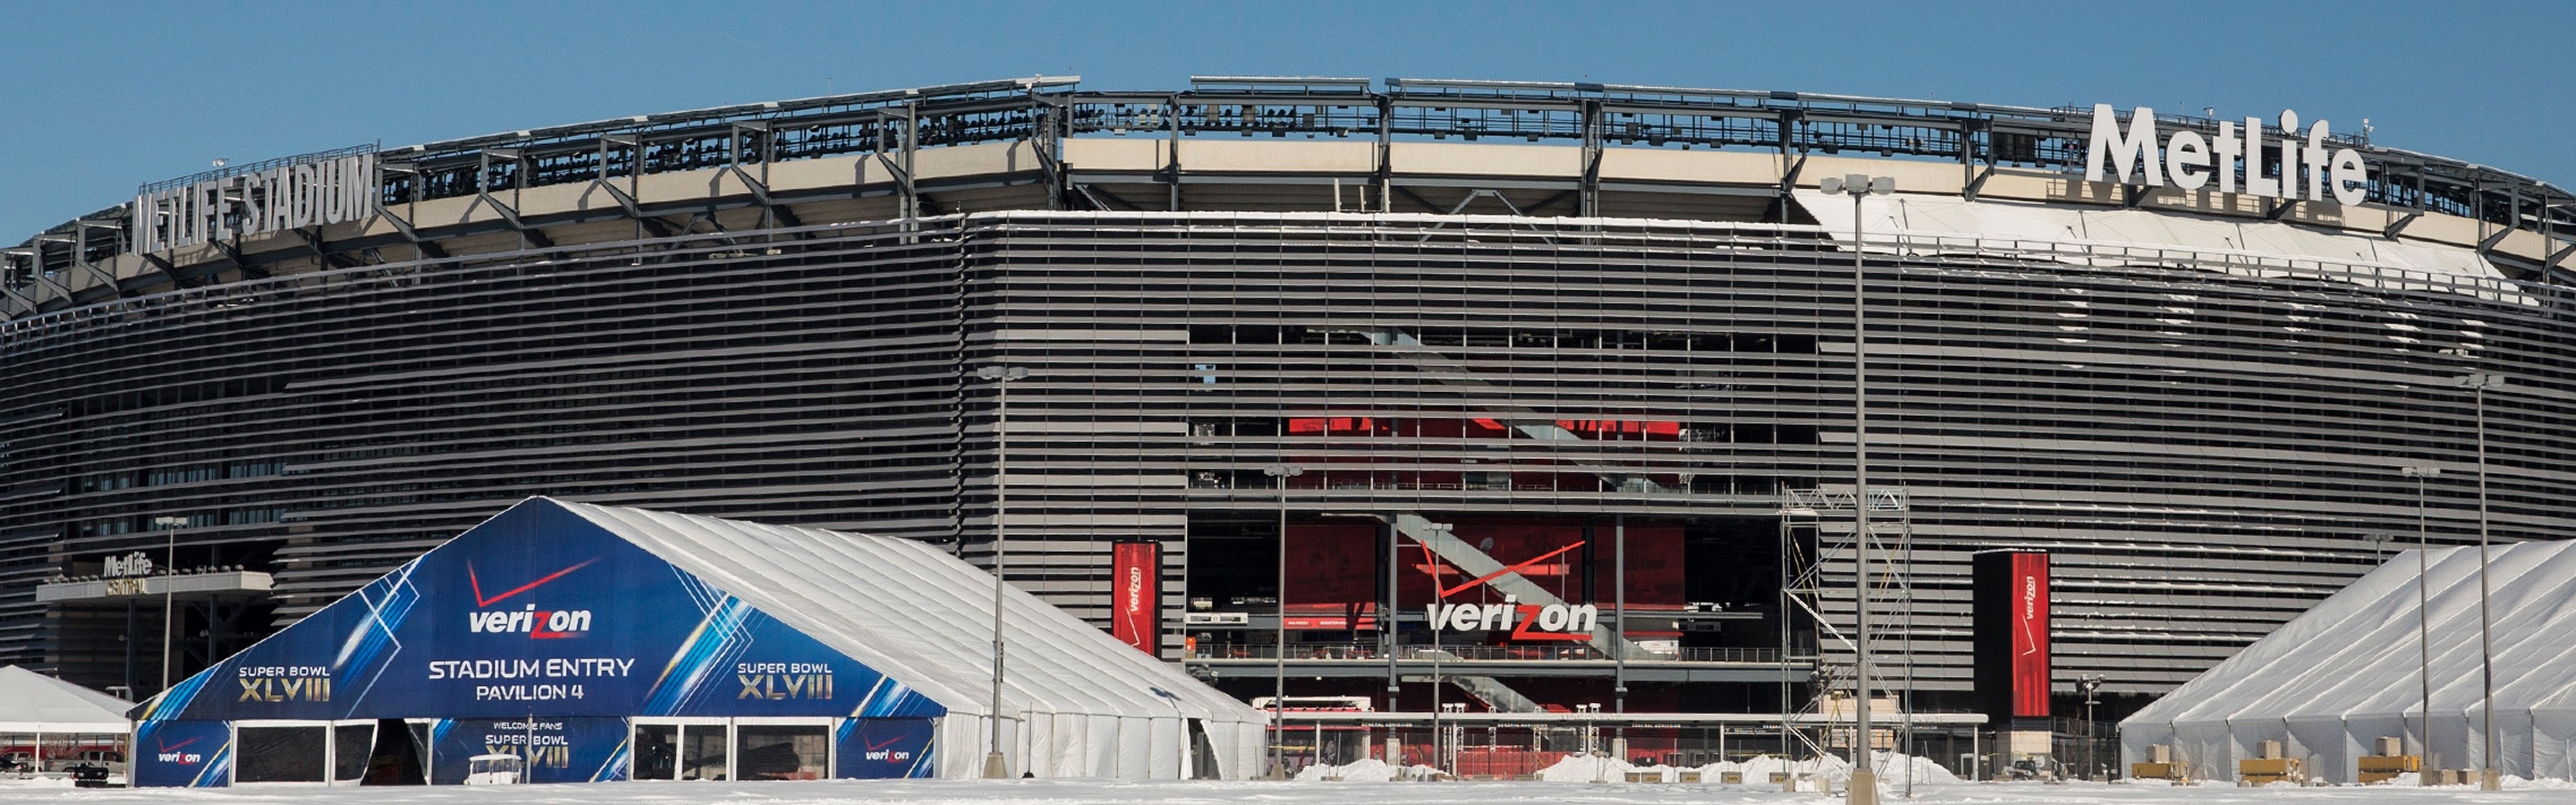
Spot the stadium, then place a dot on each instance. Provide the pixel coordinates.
(1561, 374)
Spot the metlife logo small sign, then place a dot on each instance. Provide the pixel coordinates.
(2303, 168)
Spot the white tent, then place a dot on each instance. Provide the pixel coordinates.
(43, 708)
(33, 702)
(2347, 672)
(1076, 702)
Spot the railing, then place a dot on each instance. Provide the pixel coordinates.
(1475, 653)
(1044, 110)
(2237, 263)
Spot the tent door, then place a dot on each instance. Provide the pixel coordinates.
(396, 757)
(1203, 763)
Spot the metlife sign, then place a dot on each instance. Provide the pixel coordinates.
(271, 197)
(2300, 166)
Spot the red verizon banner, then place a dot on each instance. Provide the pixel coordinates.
(1136, 611)
(2030, 635)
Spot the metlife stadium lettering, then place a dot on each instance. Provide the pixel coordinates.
(2191, 159)
(300, 193)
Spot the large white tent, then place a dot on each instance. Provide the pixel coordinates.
(880, 648)
(1075, 701)
(35, 703)
(44, 711)
(2349, 671)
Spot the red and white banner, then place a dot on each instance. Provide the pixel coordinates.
(1136, 609)
(2030, 635)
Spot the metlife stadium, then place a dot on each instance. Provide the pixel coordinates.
(1518, 358)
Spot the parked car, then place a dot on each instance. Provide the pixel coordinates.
(498, 769)
(111, 760)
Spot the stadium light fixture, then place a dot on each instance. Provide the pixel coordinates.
(2477, 383)
(1279, 683)
(1001, 377)
(1863, 787)
(2423, 622)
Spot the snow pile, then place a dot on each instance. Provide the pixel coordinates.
(1583, 768)
(1892, 769)
(1365, 770)
(1758, 769)
(1896, 768)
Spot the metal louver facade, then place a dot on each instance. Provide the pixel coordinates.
(2204, 447)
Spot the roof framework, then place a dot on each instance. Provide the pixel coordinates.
(1043, 111)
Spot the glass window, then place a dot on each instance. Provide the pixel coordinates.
(657, 748)
(782, 751)
(779, 752)
(702, 752)
(280, 754)
(351, 744)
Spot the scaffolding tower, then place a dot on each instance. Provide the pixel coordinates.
(1814, 536)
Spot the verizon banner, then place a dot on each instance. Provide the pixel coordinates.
(2030, 635)
(2011, 624)
(1136, 609)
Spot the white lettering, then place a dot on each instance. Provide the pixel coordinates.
(311, 193)
(2110, 149)
(2187, 159)
(530, 621)
(2255, 181)
(2299, 166)
(1583, 618)
(2314, 157)
(1553, 618)
(2228, 148)
(1559, 618)
(2351, 183)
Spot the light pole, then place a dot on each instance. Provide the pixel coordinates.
(2477, 384)
(169, 565)
(2423, 624)
(2090, 685)
(1863, 789)
(1442, 530)
(994, 767)
(1279, 682)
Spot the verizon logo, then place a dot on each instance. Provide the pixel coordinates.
(537, 624)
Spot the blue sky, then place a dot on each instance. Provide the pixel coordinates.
(103, 96)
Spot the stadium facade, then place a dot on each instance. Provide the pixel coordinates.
(1580, 355)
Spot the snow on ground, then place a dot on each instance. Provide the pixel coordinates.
(1173, 792)
(1369, 770)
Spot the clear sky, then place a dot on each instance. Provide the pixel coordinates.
(102, 96)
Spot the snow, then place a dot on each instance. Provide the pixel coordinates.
(1174, 792)
(1367, 770)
